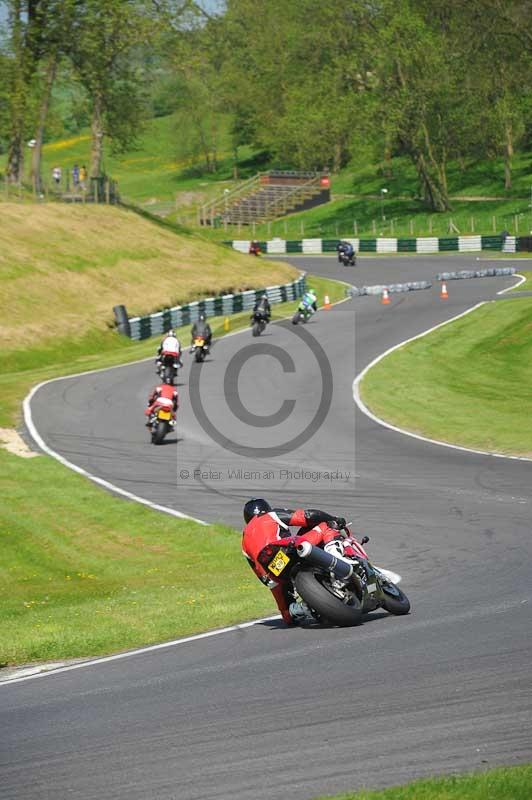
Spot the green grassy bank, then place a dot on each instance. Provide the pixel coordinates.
(467, 382)
(403, 218)
(527, 285)
(84, 573)
(504, 783)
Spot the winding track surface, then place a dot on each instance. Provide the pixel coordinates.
(268, 712)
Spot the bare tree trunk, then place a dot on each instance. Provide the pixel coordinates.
(508, 155)
(337, 157)
(43, 115)
(204, 145)
(97, 137)
(388, 171)
(15, 158)
(18, 94)
(214, 143)
(433, 194)
(434, 182)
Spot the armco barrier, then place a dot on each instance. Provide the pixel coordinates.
(422, 244)
(153, 324)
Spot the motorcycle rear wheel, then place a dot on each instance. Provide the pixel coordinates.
(169, 375)
(159, 432)
(395, 602)
(199, 355)
(256, 329)
(314, 589)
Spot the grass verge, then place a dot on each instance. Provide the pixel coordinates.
(526, 286)
(503, 783)
(467, 383)
(85, 573)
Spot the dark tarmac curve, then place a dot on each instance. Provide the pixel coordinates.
(269, 712)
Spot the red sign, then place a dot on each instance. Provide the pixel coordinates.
(325, 182)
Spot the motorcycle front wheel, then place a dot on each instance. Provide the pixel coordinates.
(316, 591)
(295, 318)
(395, 601)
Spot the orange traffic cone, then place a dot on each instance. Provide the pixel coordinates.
(326, 302)
(444, 295)
(385, 297)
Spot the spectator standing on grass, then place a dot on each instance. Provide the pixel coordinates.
(83, 177)
(56, 175)
(75, 176)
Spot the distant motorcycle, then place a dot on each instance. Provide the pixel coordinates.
(258, 323)
(336, 582)
(200, 349)
(167, 368)
(348, 260)
(161, 422)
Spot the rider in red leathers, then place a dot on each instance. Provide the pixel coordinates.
(265, 525)
(163, 395)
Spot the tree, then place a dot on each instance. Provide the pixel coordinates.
(105, 38)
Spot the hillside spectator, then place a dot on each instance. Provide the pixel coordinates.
(75, 176)
(83, 177)
(56, 175)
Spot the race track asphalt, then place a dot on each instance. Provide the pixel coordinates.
(266, 711)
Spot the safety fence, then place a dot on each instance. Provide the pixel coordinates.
(428, 244)
(153, 324)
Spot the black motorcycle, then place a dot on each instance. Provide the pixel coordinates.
(337, 583)
(347, 259)
(200, 349)
(259, 320)
(167, 367)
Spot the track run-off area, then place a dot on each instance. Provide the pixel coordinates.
(264, 711)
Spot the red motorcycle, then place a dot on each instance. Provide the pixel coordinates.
(161, 419)
(335, 581)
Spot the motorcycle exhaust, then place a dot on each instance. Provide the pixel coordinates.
(319, 558)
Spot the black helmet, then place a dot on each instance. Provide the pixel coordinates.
(255, 507)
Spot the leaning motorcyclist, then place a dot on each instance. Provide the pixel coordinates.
(164, 396)
(265, 525)
(254, 248)
(262, 307)
(310, 299)
(201, 328)
(346, 248)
